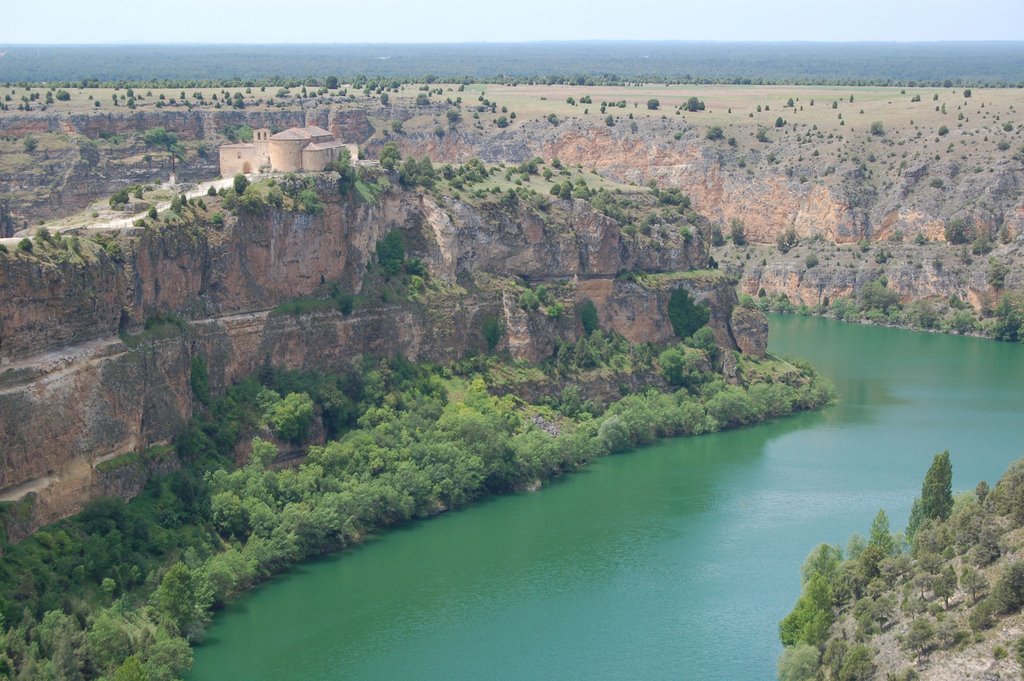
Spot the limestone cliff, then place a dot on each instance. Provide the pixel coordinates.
(96, 344)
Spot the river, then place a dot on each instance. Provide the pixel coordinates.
(675, 561)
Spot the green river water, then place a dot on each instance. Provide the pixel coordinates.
(675, 561)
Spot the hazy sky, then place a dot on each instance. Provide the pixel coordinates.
(344, 21)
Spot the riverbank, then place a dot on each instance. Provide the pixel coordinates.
(678, 559)
(416, 441)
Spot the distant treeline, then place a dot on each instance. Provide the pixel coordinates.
(949, 64)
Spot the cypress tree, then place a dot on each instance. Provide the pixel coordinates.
(936, 500)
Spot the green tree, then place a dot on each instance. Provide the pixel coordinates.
(491, 329)
(390, 156)
(240, 183)
(199, 379)
(131, 670)
(653, 104)
(880, 536)
(877, 129)
(160, 138)
(391, 252)
(685, 315)
(1008, 592)
(291, 417)
(798, 663)
(787, 240)
(177, 600)
(937, 489)
(588, 317)
(944, 586)
(920, 636)
(858, 664)
(812, 616)
(738, 232)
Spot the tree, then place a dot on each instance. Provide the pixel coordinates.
(609, 120)
(945, 584)
(715, 133)
(588, 317)
(694, 104)
(858, 663)
(176, 599)
(787, 240)
(240, 183)
(653, 104)
(391, 252)
(685, 315)
(920, 636)
(131, 670)
(937, 489)
(1008, 592)
(957, 232)
(737, 231)
(798, 663)
(973, 582)
(880, 536)
(811, 617)
(491, 329)
(390, 156)
(877, 129)
(292, 416)
(331, 82)
(160, 138)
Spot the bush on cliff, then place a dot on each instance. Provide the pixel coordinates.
(685, 315)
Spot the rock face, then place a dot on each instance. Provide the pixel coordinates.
(769, 191)
(750, 330)
(75, 396)
(91, 156)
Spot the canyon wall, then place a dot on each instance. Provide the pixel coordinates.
(96, 348)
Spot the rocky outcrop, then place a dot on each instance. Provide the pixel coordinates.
(78, 400)
(750, 330)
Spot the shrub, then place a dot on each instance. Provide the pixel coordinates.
(199, 380)
(25, 245)
(588, 317)
(240, 183)
(811, 261)
(956, 232)
(491, 330)
(943, 130)
(685, 315)
(787, 240)
(391, 252)
(1008, 592)
(715, 132)
(653, 104)
(291, 417)
(877, 129)
(737, 231)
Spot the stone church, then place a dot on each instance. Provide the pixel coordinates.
(310, 148)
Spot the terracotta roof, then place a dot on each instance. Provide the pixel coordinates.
(319, 146)
(309, 132)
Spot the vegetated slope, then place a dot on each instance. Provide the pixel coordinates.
(945, 605)
(103, 330)
(918, 187)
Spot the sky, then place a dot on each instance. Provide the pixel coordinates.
(441, 21)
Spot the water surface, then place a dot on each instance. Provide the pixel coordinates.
(675, 561)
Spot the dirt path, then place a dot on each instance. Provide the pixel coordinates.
(119, 223)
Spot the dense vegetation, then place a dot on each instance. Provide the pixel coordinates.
(576, 62)
(880, 608)
(879, 304)
(119, 591)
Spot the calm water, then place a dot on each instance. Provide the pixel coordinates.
(671, 562)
